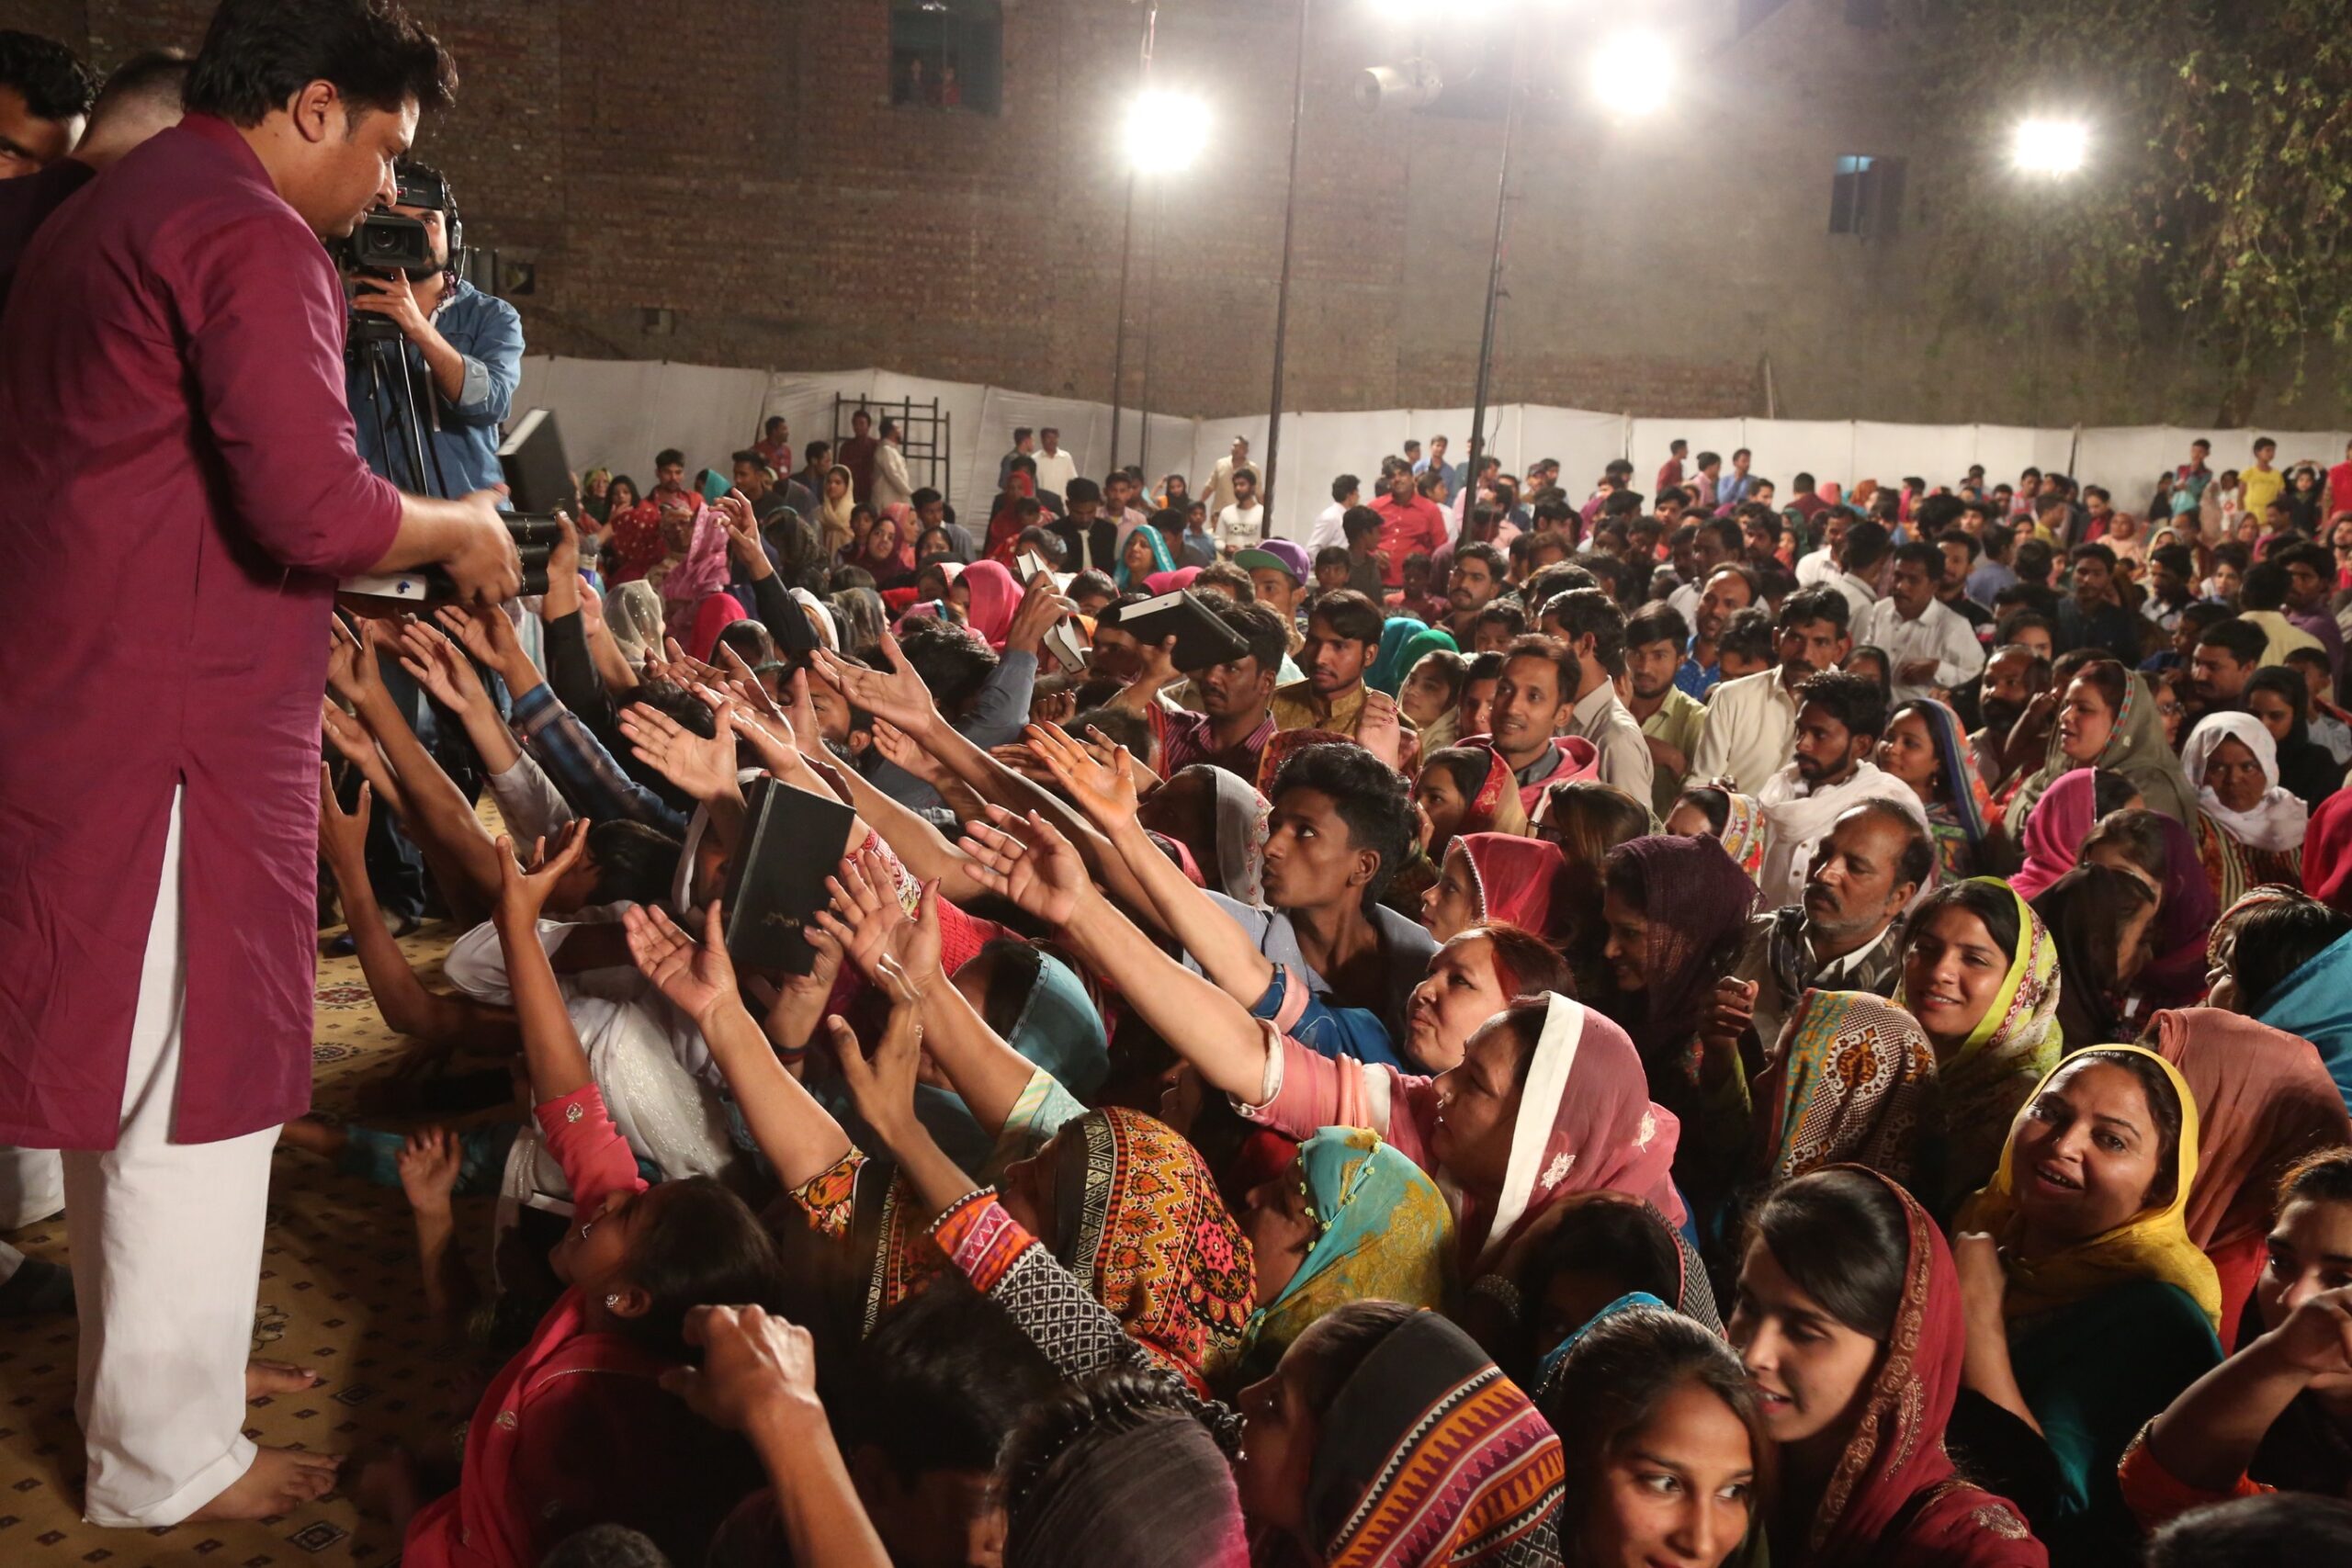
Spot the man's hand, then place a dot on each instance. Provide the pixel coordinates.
(898, 694)
(899, 748)
(1046, 877)
(437, 664)
(758, 1373)
(343, 836)
(564, 586)
(704, 767)
(482, 560)
(884, 1087)
(743, 534)
(1159, 665)
(1380, 728)
(1041, 607)
(484, 631)
(393, 298)
(523, 891)
(352, 668)
(865, 916)
(1917, 672)
(697, 977)
(1107, 795)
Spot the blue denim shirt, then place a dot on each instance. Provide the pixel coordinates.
(488, 332)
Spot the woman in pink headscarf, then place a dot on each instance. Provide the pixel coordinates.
(691, 585)
(991, 598)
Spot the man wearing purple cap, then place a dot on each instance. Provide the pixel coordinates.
(1280, 570)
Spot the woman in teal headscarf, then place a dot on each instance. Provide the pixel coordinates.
(1133, 569)
(1350, 1220)
(1388, 667)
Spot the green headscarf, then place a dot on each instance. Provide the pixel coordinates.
(1382, 1233)
(1388, 672)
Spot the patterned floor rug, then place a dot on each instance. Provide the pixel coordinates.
(339, 1293)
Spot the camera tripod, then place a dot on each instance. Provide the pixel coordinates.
(392, 395)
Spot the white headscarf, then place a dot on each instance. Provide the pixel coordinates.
(2276, 821)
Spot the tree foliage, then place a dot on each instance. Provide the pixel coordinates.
(2213, 214)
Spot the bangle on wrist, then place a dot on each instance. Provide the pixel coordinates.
(1501, 1292)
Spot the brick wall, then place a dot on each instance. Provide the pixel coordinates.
(738, 164)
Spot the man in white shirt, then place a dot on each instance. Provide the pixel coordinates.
(1593, 628)
(1752, 721)
(1719, 542)
(892, 485)
(1930, 648)
(1056, 467)
(1241, 525)
(1839, 719)
(1346, 492)
(1218, 489)
(1868, 548)
(1823, 565)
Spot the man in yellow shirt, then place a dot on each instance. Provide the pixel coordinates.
(2261, 484)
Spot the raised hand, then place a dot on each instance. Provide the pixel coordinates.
(684, 669)
(343, 836)
(697, 977)
(1380, 729)
(773, 745)
(435, 663)
(865, 914)
(899, 748)
(702, 766)
(884, 1087)
(758, 1372)
(2316, 1338)
(429, 1165)
(1041, 606)
(800, 714)
(742, 534)
(347, 736)
(351, 661)
(484, 631)
(1046, 876)
(744, 681)
(523, 891)
(896, 695)
(1107, 795)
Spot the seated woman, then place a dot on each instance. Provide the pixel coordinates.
(2073, 805)
(2252, 830)
(1349, 1219)
(2088, 1308)
(1848, 1320)
(1584, 1254)
(2282, 699)
(1431, 694)
(2285, 959)
(2276, 1416)
(1720, 812)
(1382, 1434)
(2162, 854)
(1926, 748)
(1979, 972)
(1496, 879)
(1666, 1452)
(1547, 1099)
(637, 1261)
(2266, 1102)
(1465, 789)
(1588, 819)
(1674, 910)
(1145, 555)
(2108, 720)
(2100, 919)
(889, 558)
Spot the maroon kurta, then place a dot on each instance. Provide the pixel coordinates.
(180, 490)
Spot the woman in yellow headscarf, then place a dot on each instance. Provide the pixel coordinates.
(2088, 1307)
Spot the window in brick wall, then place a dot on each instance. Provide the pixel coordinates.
(948, 54)
(1866, 197)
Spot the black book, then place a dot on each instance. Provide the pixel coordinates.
(792, 841)
(537, 478)
(1201, 639)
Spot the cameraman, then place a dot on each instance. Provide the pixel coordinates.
(171, 426)
(462, 351)
(459, 352)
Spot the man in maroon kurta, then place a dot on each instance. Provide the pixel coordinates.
(183, 489)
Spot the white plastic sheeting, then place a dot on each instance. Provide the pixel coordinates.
(618, 412)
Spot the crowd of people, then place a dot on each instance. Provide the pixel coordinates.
(1683, 1026)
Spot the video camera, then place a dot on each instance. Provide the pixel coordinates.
(389, 244)
(535, 536)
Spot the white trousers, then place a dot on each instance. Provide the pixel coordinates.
(166, 1246)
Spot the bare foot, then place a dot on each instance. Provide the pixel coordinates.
(275, 1377)
(279, 1481)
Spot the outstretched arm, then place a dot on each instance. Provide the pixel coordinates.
(551, 1046)
(1201, 1023)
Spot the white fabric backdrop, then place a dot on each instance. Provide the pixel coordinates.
(619, 413)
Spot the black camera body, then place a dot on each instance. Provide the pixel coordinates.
(384, 244)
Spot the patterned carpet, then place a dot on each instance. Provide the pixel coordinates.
(339, 1293)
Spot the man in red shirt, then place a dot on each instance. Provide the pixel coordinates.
(2339, 487)
(173, 423)
(1409, 521)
